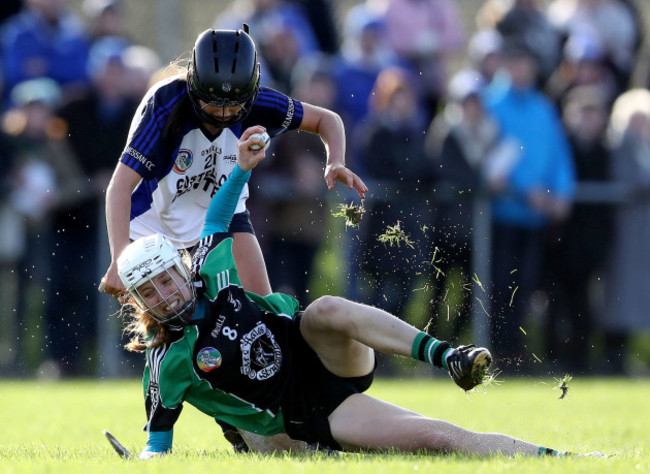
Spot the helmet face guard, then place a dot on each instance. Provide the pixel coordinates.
(223, 72)
(160, 284)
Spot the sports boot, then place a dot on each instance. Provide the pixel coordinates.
(468, 365)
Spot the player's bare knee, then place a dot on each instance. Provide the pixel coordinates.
(331, 311)
(326, 305)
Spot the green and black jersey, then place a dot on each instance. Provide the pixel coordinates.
(231, 362)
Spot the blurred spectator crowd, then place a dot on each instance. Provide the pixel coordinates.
(539, 112)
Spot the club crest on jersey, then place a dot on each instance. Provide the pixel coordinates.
(208, 359)
(183, 161)
(261, 354)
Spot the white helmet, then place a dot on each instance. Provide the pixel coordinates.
(141, 262)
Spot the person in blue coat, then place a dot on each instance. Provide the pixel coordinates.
(46, 39)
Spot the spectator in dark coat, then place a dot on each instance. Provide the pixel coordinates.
(577, 249)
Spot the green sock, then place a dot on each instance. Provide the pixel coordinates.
(542, 451)
(431, 350)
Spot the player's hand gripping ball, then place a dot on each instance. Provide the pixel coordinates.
(263, 137)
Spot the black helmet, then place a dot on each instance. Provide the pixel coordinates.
(224, 71)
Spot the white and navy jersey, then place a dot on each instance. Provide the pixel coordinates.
(180, 174)
(232, 361)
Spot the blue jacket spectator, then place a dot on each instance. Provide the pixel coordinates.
(539, 158)
(44, 40)
(364, 54)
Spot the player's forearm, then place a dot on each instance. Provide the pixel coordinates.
(332, 133)
(329, 126)
(118, 216)
(224, 203)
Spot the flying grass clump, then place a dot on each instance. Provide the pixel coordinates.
(563, 385)
(394, 235)
(488, 379)
(352, 213)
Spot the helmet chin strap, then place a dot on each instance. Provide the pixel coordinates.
(208, 118)
(211, 120)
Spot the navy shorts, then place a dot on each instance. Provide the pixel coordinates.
(314, 393)
(241, 222)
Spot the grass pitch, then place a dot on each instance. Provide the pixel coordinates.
(57, 427)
